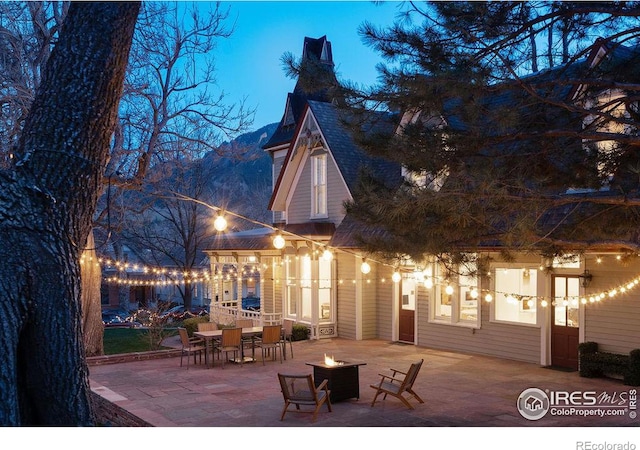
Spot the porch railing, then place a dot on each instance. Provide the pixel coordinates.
(225, 313)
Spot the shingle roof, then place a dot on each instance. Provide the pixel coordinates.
(255, 239)
(349, 157)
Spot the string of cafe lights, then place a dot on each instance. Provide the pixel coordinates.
(167, 277)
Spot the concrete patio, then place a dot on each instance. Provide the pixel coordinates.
(458, 389)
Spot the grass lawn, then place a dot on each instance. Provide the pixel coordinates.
(126, 340)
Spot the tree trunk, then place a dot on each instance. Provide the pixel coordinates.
(47, 202)
(91, 276)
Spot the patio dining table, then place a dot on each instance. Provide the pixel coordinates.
(210, 336)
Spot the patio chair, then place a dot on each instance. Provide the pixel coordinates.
(271, 341)
(207, 326)
(300, 390)
(392, 385)
(287, 335)
(231, 342)
(244, 323)
(190, 346)
(247, 341)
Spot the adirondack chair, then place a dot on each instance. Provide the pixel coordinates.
(392, 385)
(300, 390)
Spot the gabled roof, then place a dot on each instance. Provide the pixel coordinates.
(349, 157)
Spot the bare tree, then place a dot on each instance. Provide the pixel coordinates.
(169, 224)
(47, 203)
(28, 31)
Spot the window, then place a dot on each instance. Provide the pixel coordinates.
(516, 295)
(306, 294)
(324, 289)
(305, 286)
(319, 188)
(455, 299)
(292, 287)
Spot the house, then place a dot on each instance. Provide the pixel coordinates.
(529, 309)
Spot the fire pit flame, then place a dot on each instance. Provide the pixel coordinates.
(329, 361)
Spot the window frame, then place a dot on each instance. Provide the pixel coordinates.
(539, 287)
(319, 186)
(455, 300)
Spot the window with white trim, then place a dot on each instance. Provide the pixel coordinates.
(516, 293)
(455, 298)
(319, 186)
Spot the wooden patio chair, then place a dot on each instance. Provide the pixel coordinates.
(271, 341)
(231, 342)
(300, 390)
(395, 386)
(207, 326)
(248, 341)
(244, 323)
(190, 346)
(287, 336)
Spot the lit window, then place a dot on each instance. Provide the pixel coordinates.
(516, 292)
(319, 167)
(455, 298)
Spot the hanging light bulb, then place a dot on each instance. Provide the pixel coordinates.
(278, 242)
(544, 303)
(396, 277)
(327, 255)
(428, 283)
(220, 223)
(488, 298)
(365, 268)
(474, 293)
(449, 289)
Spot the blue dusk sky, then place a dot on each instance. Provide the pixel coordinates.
(249, 62)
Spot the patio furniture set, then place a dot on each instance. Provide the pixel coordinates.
(332, 381)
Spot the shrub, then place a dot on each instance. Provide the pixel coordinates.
(633, 375)
(596, 364)
(300, 332)
(191, 324)
(589, 365)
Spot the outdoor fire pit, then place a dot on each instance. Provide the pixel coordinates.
(342, 376)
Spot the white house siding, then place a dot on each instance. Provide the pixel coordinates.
(384, 304)
(369, 305)
(267, 292)
(502, 340)
(346, 295)
(614, 322)
(299, 209)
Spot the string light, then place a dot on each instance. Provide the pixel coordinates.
(279, 242)
(220, 223)
(396, 277)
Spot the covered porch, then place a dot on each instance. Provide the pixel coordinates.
(267, 275)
